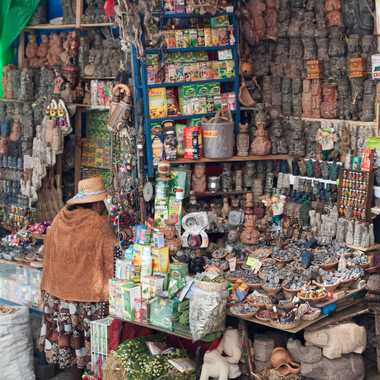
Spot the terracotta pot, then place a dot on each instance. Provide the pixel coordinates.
(283, 363)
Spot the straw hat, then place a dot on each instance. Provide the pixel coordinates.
(89, 191)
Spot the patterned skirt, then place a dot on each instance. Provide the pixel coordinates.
(65, 333)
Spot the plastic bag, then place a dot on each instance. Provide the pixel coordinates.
(16, 359)
(207, 312)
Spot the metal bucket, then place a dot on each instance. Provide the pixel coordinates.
(218, 136)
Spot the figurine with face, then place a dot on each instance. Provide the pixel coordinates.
(198, 178)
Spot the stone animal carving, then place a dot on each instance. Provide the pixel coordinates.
(223, 367)
(337, 340)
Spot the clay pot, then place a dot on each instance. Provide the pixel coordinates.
(283, 363)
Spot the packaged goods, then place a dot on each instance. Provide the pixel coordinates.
(157, 103)
(131, 293)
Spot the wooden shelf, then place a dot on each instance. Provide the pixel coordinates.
(189, 49)
(68, 26)
(98, 78)
(270, 157)
(179, 84)
(210, 194)
(50, 26)
(97, 25)
(5, 100)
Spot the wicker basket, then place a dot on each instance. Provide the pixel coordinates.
(286, 326)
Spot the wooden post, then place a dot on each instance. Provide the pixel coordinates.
(21, 50)
(78, 13)
(78, 147)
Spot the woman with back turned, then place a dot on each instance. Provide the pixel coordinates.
(78, 262)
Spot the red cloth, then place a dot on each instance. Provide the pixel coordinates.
(109, 8)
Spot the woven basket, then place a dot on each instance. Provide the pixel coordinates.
(285, 326)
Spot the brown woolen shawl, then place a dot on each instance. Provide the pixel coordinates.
(78, 256)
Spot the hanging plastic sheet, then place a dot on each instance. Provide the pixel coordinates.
(14, 16)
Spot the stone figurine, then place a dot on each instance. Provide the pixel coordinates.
(242, 141)
(278, 140)
(329, 101)
(198, 178)
(68, 7)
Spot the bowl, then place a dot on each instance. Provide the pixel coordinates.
(290, 293)
(330, 267)
(271, 291)
(330, 288)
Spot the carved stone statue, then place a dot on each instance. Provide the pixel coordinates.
(198, 178)
(261, 144)
(242, 141)
(333, 13)
(278, 140)
(329, 102)
(68, 7)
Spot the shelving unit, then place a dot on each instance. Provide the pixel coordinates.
(270, 157)
(141, 82)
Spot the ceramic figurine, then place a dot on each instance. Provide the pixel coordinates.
(333, 9)
(286, 89)
(68, 7)
(71, 49)
(329, 102)
(238, 180)
(248, 174)
(226, 208)
(271, 20)
(283, 18)
(297, 97)
(171, 239)
(26, 85)
(99, 11)
(242, 141)
(83, 53)
(358, 16)
(89, 11)
(31, 51)
(357, 91)
(249, 234)
(368, 108)
(226, 177)
(198, 178)
(43, 49)
(261, 144)
(278, 140)
(55, 50)
(307, 108)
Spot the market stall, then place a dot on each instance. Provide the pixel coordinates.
(239, 145)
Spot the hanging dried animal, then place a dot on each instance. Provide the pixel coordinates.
(136, 19)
